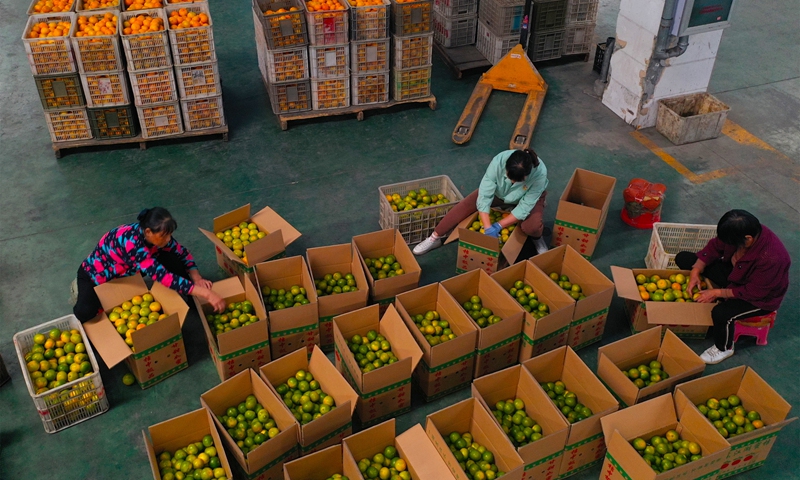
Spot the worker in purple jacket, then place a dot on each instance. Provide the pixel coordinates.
(750, 265)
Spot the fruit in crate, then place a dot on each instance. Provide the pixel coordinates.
(730, 417)
(304, 397)
(185, 1)
(94, 25)
(476, 460)
(135, 314)
(142, 23)
(142, 4)
(384, 267)
(55, 358)
(494, 217)
(435, 329)
(519, 427)
(97, 4)
(484, 317)
(239, 236)
(525, 296)
(249, 424)
(567, 401)
(323, 5)
(371, 351)
(337, 476)
(667, 452)
(573, 289)
(331, 93)
(415, 199)
(279, 299)
(52, 6)
(335, 283)
(671, 289)
(647, 374)
(236, 315)
(419, 24)
(277, 20)
(196, 460)
(384, 465)
(183, 18)
(49, 30)
(48, 92)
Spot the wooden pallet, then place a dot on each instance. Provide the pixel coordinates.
(462, 59)
(358, 110)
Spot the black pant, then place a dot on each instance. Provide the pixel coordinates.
(88, 305)
(727, 311)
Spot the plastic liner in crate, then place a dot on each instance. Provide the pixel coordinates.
(282, 29)
(549, 15)
(160, 120)
(370, 88)
(546, 46)
(145, 51)
(153, 86)
(68, 125)
(94, 5)
(411, 83)
(329, 61)
(203, 113)
(578, 39)
(491, 46)
(60, 91)
(413, 50)
(412, 16)
(370, 56)
(50, 55)
(418, 224)
(456, 8)
(328, 27)
(105, 89)
(369, 22)
(454, 32)
(98, 53)
(109, 123)
(330, 93)
(290, 97)
(503, 17)
(669, 239)
(73, 402)
(33, 10)
(192, 45)
(582, 12)
(198, 81)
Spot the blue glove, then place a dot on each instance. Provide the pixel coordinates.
(493, 231)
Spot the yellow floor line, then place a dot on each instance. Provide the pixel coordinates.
(743, 137)
(677, 165)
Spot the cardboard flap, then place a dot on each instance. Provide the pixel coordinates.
(772, 407)
(720, 384)
(335, 385)
(479, 239)
(641, 418)
(403, 343)
(625, 282)
(622, 350)
(171, 301)
(274, 223)
(673, 313)
(322, 464)
(113, 293)
(264, 248)
(420, 455)
(105, 339)
(512, 248)
(234, 217)
(367, 443)
(623, 453)
(462, 225)
(156, 333)
(613, 377)
(151, 456)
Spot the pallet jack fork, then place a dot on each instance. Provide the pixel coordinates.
(513, 73)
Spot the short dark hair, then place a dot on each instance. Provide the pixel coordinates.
(520, 164)
(158, 220)
(735, 225)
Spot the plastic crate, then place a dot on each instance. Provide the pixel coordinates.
(290, 97)
(105, 89)
(160, 120)
(546, 46)
(145, 51)
(413, 50)
(153, 86)
(370, 88)
(261, 44)
(60, 91)
(198, 81)
(178, 2)
(194, 45)
(369, 22)
(328, 27)
(412, 17)
(411, 83)
(330, 93)
(282, 30)
(109, 123)
(456, 8)
(99, 53)
(73, 402)
(52, 55)
(418, 224)
(669, 239)
(549, 15)
(68, 125)
(582, 12)
(454, 32)
(578, 39)
(599, 56)
(287, 64)
(203, 113)
(33, 4)
(370, 56)
(491, 46)
(81, 6)
(503, 17)
(329, 61)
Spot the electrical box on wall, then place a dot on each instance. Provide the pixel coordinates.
(698, 16)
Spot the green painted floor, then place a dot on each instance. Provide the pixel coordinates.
(323, 175)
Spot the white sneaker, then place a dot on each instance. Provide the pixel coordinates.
(713, 355)
(73, 292)
(427, 245)
(541, 245)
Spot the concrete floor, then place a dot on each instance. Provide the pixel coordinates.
(323, 175)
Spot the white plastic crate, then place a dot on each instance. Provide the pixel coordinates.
(413, 50)
(370, 88)
(411, 83)
(153, 86)
(287, 64)
(329, 61)
(195, 44)
(328, 27)
(582, 12)
(491, 46)
(286, 29)
(369, 22)
(290, 97)
(105, 89)
(503, 17)
(160, 120)
(73, 402)
(52, 55)
(149, 50)
(370, 56)
(456, 8)
(68, 125)
(578, 39)
(198, 81)
(31, 10)
(454, 32)
(418, 224)
(330, 93)
(203, 113)
(669, 239)
(83, 6)
(412, 17)
(100, 53)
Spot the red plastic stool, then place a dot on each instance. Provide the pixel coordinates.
(755, 327)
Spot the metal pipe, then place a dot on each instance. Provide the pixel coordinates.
(663, 37)
(610, 42)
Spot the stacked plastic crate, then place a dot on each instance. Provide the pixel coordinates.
(370, 51)
(455, 22)
(499, 27)
(412, 37)
(548, 33)
(329, 53)
(581, 22)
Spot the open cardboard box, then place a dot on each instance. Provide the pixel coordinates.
(241, 348)
(552, 330)
(158, 350)
(498, 344)
(266, 461)
(292, 328)
(176, 433)
(479, 251)
(413, 446)
(384, 392)
(694, 318)
(657, 417)
(590, 315)
(470, 416)
(330, 428)
(321, 465)
(331, 259)
(448, 366)
(585, 446)
(677, 359)
(279, 235)
(582, 211)
(382, 243)
(543, 457)
(749, 450)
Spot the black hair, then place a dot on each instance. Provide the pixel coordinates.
(735, 225)
(158, 220)
(520, 164)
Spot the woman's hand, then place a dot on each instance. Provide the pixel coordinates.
(493, 231)
(197, 279)
(211, 297)
(708, 296)
(694, 280)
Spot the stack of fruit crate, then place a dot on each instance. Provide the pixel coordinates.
(455, 22)
(581, 22)
(370, 51)
(412, 36)
(546, 41)
(329, 53)
(499, 27)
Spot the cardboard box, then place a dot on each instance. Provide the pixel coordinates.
(177, 433)
(242, 348)
(330, 428)
(266, 461)
(413, 446)
(158, 350)
(695, 318)
(320, 465)
(656, 417)
(479, 251)
(749, 450)
(585, 445)
(498, 344)
(677, 359)
(292, 328)
(279, 235)
(590, 315)
(332, 259)
(380, 244)
(543, 457)
(470, 416)
(386, 391)
(551, 331)
(448, 366)
(582, 211)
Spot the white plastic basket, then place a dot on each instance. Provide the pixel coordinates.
(148, 50)
(287, 64)
(454, 31)
(33, 4)
(329, 61)
(491, 46)
(198, 81)
(669, 239)
(192, 45)
(100, 53)
(105, 89)
(203, 113)
(328, 27)
(369, 56)
(153, 86)
(413, 50)
(161, 120)
(370, 88)
(330, 93)
(456, 8)
(68, 125)
(50, 56)
(81, 7)
(73, 402)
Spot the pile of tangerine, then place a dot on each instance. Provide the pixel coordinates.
(49, 6)
(142, 24)
(143, 4)
(93, 26)
(185, 19)
(323, 5)
(52, 29)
